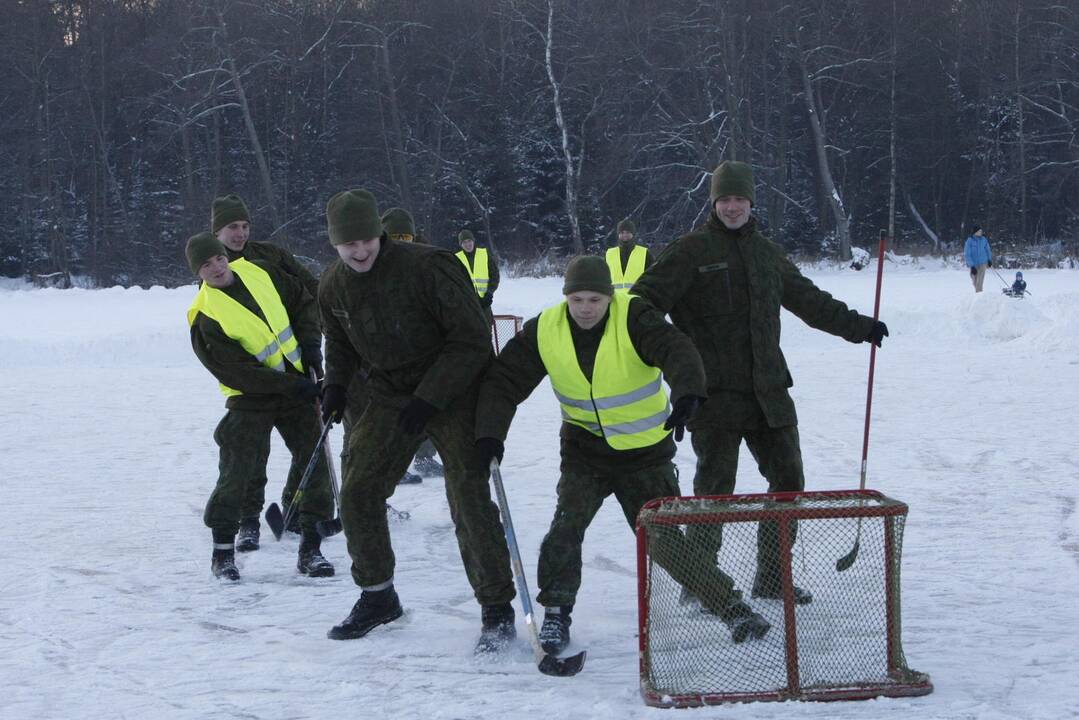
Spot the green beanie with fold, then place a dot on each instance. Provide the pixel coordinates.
(732, 178)
(353, 215)
(227, 209)
(588, 272)
(398, 221)
(627, 226)
(465, 235)
(201, 248)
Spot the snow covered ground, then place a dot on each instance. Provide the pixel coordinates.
(108, 608)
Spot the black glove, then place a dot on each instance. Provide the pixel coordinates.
(334, 399)
(308, 390)
(989, 263)
(877, 333)
(973, 272)
(488, 449)
(487, 299)
(683, 411)
(312, 359)
(415, 416)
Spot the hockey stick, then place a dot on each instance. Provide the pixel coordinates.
(274, 519)
(328, 528)
(847, 560)
(548, 664)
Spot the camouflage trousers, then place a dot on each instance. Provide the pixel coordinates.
(581, 492)
(243, 437)
(779, 459)
(379, 453)
(358, 398)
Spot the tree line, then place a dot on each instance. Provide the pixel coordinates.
(538, 124)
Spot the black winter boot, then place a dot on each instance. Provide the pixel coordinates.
(247, 540)
(554, 634)
(744, 623)
(310, 561)
(374, 608)
(223, 563)
(498, 629)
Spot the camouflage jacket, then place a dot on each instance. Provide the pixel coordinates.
(413, 322)
(724, 288)
(626, 249)
(262, 388)
(518, 369)
(281, 259)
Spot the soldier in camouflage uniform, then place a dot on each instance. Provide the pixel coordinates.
(409, 315)
(601, 337)
(242, 306)
(482, 268)
(723, 285)
(230, 221)
(627, 260)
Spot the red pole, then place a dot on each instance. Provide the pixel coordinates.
(872, 359)
(790, 625)
(642, 604)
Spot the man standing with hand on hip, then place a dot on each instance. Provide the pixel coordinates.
(724, 285)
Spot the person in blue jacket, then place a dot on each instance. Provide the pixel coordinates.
(978, 256)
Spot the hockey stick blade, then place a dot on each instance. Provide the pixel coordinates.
(275, 520)
(845, 562)
(328, 528)
(547, 664)
(562, 667)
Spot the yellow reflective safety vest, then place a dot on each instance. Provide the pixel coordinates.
(479, 272)
(271, 344)
(634, 268)
(626, 402)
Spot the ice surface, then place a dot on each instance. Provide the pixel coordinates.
(108, 608)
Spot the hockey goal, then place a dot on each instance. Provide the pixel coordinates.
(844, 645)
(504, 327)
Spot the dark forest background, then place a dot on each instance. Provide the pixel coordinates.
(538, 124)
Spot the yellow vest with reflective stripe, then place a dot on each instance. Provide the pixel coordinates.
(271, 344)
(626, 402)
(479, 272)
(634, 268)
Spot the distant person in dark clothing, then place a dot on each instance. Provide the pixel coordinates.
(1018, 288)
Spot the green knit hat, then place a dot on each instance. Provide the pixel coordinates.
(628, 226)
(465, 235)
(732, 178)
(227, 209)
(201, 248)
(588, 272)
(398, 221)
(353, 215)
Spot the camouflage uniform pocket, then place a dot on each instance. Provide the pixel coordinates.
(717, 290)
